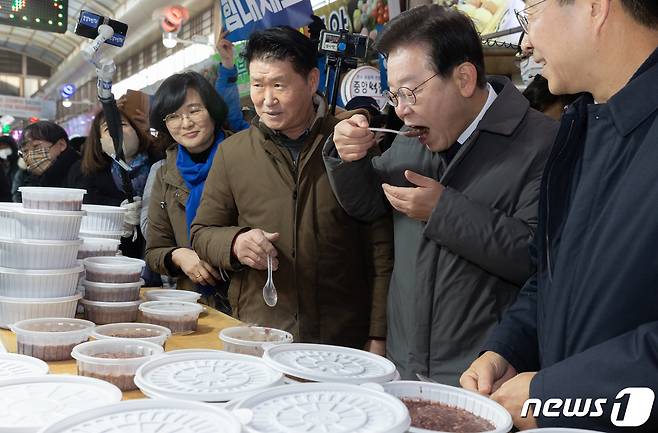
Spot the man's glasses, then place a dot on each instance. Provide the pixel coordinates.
(522, 16)
(405, 94)
(175, 120)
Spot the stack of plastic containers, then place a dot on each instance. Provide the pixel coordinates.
(38, 250)
(101, 230)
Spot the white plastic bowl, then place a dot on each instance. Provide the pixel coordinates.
(250, 340)
(106, 235)
(559, 430)
(103, 218)
(50, 339)
(94, 247)
(180, 317)
(139, 331)
(38, 254)
(102, 313)
(455, 397)
(172, 295)
(117, 269)
(20, 223)
(112, 292)
(55, 283)
(118, 371)
(36, 197)
(14, 310)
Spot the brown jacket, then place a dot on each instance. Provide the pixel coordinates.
(334, 271)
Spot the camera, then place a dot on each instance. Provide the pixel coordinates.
(343, 44)
(89, 22)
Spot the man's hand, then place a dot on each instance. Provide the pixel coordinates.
(196, 269)
(512, 394)
(378, 347)
(252, 248)
(487, 373)
(353, 138)
(225, 50)
(415, 202)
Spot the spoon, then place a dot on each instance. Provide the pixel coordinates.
(269, 290)
(392, 131)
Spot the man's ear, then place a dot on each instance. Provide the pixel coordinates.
(599, 12)
(465, 77)
(313, 79)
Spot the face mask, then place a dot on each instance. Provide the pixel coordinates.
(529, 68)
(130, 144)
(5, 153)
(38, 160)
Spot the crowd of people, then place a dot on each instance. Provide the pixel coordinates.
(488, 245)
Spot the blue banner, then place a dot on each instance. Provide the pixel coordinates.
(242, 17)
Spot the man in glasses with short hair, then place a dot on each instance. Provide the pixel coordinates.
(463, 183)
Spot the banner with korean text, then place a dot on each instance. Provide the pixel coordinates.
(242, 17)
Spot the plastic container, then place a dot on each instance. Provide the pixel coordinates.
(140, 331)
(38, 254)
(114, 360)
(102, 313)
(180, 317)
(455, 397)
(117, 269)
(94, 247)
(36, 197)
(250, 340)
(105, 235)
(30, 403)
(164, 416)
(55, 283)
(50, 339)
(19, 223)
(13, 365)
(103, 218)
(559, 430)
(14, 310)
(112, 292)
(172, 295)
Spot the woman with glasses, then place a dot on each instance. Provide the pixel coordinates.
(188, 115)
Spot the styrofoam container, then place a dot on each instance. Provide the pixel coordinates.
(111, 292)
(38, 254)
(27, 283)
(14, 310)
(94, 247)
(13, 365)
(102, 313)
(114, 360)
(455, 397)
(140, 331)
(164, 416)
(30, 403)
(103, 218)
(172, 295)
(36, 197)
(250, 340)
(50, 339)
(43, 224)
(8, 224)
(117, 269)
(106, 235)
(322, 407)
(180, 317)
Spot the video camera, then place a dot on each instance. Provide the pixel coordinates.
(343, 44)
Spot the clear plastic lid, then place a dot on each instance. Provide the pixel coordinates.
(322, 407)
(150, 416)
(170, 308)
(206, 376)
(325, 363)
(30, 403)
(172, 295)
(13, 365)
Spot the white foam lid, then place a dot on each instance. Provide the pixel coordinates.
(206, 376)
(149, 416)
(14, 365)
(325, 363)
(322, 407)
(30, 403)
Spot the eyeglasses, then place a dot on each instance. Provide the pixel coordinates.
(175, 120)
(405, 94)
(522, 16)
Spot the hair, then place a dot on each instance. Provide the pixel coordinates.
(46, 131)
(171, 95)
(282, 43)
(450, 36)
(315, 28)
(644, 12)
(93, 157)
(541, 98)
(9, 141)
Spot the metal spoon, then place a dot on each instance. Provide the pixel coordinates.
(269, 290)
(392, 131)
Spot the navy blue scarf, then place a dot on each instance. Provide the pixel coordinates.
(194, 174)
